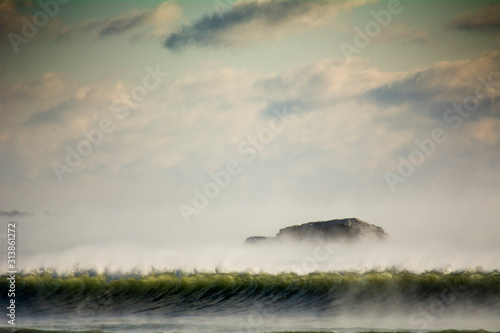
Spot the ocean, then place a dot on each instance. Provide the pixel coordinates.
(179, 301)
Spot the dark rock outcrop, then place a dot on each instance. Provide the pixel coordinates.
(257, 239)
(340, 230)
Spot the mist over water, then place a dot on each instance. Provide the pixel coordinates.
(300, 258)
(446, 234)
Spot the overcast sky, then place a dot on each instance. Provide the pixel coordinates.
(114, 117)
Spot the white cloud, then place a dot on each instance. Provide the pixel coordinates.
(194, 124)
(485, 131)
(326, 80)
(483, 19)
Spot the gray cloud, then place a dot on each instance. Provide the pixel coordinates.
(289, 106)
(400, 33)
(11, 20)
(157, 19)
(436, 88)
(14, 213)
(407, 90)
(117, 26)
(251, 20)
(486, 18)
(53, 115)
(11, 12)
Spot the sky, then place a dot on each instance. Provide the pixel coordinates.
(170, 123)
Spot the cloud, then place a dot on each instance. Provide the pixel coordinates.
(400, 33)
(349, 105)
(13, 15)
(120, 25)
(39, 117)
(326, 81)
(47, 86)
(486, 131)
(11, 12)
(157, 22)
(14, 213)
(342, 98)
(445, 82)
(347, 132)
(51, 116)
(23, 100)
(247, 21)
(148, 23)
(486, 18)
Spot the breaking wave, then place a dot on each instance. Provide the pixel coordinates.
(88, 293)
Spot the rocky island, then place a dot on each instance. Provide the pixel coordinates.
(339, 230)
